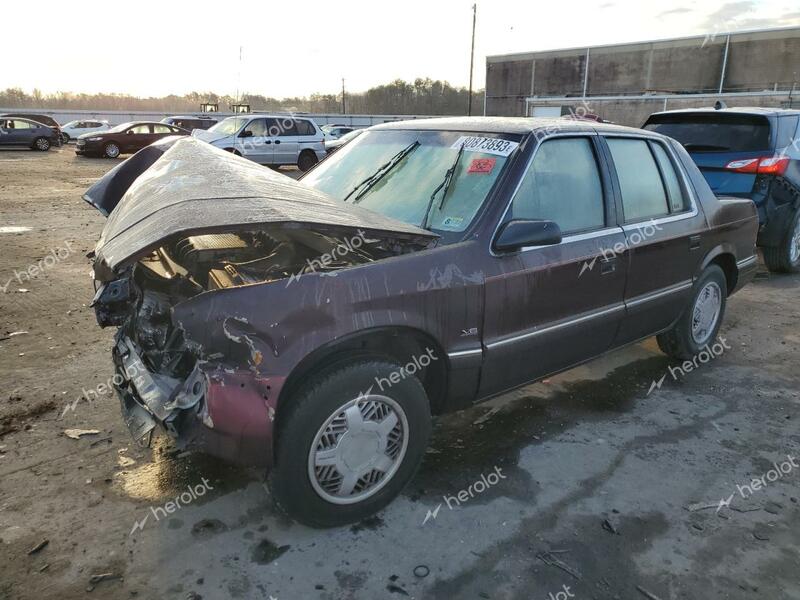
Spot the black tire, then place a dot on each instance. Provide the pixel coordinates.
(42, 144)
(785, 257)
(306, 160)
(314, 405)
(679, 342)
(111, 150)
(233, 151)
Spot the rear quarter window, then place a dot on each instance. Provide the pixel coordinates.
(714, 132)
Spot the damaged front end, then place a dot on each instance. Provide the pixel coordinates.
(201, 221)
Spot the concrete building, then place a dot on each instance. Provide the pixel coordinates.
(624, 83)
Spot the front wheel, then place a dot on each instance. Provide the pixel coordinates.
(306, 160)
(700, 322)
(111, 150)
(64, 138)
(785, 257)
(42, 144)
(352, 439)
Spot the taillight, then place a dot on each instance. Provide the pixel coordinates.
(768, 165)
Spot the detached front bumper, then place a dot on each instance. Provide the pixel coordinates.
(228, 413)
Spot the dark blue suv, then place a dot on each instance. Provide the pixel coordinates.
(750, 153)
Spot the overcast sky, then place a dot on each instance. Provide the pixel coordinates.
(149, 48)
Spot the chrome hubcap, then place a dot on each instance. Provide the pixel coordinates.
(42, 144)
(794, 245)
(112, 150)
(358, 449)
(706, 312)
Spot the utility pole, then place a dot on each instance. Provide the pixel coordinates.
(472, 58)
(344, 105)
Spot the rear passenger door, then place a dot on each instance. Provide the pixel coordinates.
(551, 307)
(664, 229)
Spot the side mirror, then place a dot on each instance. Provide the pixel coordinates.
(519, 233)
(246, 133)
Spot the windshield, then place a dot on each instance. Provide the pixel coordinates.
(714, 132)
(412, 186)
(230, 125)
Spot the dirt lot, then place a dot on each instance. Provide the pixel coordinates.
(606, 489)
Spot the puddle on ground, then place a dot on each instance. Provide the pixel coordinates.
(14, 229)
(266, 551)
(166, 476)
(461, 448)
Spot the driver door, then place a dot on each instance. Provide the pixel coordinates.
(254, 143)
(551, 307)
(137, 137)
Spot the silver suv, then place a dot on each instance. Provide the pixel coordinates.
(269, 139)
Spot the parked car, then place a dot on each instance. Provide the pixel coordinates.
(39, 118)
(316, 326)
(190, 123)
(333, 145)
(75, 129)
(126, 138)
(334, 132)
(27, 134)
(273, 140)
(749, 153)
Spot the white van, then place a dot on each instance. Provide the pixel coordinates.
(269, 139)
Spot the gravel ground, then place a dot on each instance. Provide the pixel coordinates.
(598, 486)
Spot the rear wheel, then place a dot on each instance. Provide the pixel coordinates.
(41, 143)
(111, 150)
(306, 160)
(700, 323)
(785, 257)
(346, 449)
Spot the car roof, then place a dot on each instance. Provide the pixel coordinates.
(518, 125)
(187, 117)
(740, 110)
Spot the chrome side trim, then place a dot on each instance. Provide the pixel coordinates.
(747, 262)
(465, 353)
(672, 289)
(561, 325)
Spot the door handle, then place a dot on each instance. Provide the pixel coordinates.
(267, 141)
(277, 141)
(608, 265)
(694, 242)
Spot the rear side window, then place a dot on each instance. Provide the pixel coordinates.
(305, 128)
(562, 185)
(714, 132)
(787, 127)
(677, 199)
(643, 195)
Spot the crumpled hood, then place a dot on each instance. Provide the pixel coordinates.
(186, 187)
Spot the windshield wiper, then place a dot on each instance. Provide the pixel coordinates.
(370, 181)
(448, 178)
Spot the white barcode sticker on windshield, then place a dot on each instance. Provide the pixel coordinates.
(486, 145)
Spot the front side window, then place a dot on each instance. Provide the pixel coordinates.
(643, 194)
(229, 126)
(257, 127)
(562, 185)
(413, 190)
